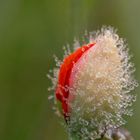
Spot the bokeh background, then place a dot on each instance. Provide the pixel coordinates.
(31, 31)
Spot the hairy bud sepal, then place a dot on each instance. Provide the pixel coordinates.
(93, 84)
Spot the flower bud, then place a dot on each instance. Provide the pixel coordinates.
(93, 85)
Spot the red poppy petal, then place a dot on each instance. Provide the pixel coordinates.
(62, 92)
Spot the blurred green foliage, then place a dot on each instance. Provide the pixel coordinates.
(31, 31)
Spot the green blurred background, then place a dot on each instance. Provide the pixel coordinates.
(31, 31)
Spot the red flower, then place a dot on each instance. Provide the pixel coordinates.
(62, 91)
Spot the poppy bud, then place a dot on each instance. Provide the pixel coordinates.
(93, 85)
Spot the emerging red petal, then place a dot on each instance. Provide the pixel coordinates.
(62, 92)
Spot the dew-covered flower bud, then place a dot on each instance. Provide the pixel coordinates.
(93, 85)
